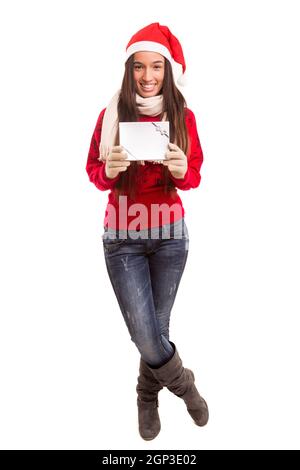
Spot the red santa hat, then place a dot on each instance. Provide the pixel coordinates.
(158, 38)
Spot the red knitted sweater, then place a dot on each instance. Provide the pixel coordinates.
(152, 207)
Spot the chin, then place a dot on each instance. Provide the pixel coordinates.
(149, 95)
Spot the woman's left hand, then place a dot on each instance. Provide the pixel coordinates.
(176, 161)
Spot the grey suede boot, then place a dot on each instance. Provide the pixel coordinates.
(181, 382)
(147, 389)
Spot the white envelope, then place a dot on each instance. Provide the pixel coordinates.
(145, 140)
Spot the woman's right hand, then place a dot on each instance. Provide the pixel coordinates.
(116, 162)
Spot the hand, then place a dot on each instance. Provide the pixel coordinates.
(116, 162)
(176, 161)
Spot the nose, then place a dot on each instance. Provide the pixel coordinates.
(147, 75)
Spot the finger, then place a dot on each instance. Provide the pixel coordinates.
(118, 156)
(173, 168)
(175, 162)
(174, 156)
(117, 148)
(173, 146)
(116, 164)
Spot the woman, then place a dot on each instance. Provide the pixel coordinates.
(145, 237)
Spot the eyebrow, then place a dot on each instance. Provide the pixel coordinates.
(155, 62)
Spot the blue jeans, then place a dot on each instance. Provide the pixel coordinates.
(145, 274)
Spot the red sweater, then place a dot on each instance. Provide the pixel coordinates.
(151, 207)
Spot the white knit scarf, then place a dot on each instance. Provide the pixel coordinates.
(151, 106)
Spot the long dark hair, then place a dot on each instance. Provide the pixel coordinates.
(173, 104)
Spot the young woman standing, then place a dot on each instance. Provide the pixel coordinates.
(145, 238)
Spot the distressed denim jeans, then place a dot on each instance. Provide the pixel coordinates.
(145, 274)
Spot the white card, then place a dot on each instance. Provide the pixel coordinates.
(145, 140)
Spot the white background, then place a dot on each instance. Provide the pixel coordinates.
(68, 366)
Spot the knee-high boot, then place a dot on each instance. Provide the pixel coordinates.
(147, 389)
(181, 382)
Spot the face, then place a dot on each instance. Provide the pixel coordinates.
(148, 73)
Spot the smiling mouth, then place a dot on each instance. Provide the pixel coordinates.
(147, 87)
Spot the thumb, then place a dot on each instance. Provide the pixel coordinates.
(173, 146)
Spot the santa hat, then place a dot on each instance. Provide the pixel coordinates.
(158, 38)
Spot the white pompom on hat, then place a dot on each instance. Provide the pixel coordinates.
(158, 38)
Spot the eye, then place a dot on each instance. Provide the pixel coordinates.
(137, 67)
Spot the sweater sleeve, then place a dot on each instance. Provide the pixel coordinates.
(195, 158)
(94, 167)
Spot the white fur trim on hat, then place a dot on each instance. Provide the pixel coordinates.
(149, 46)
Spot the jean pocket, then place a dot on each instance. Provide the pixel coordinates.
(111, 245)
